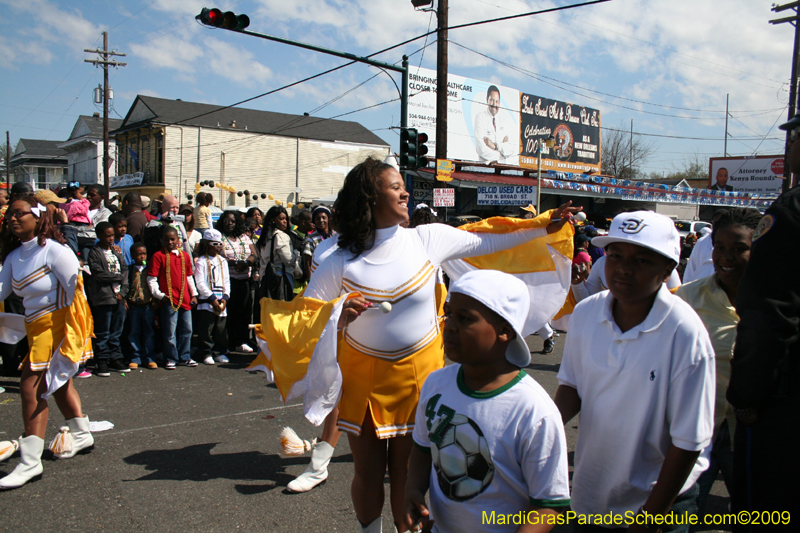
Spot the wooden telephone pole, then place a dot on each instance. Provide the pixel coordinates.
(441, 79)
(793, 20)
(105, 63)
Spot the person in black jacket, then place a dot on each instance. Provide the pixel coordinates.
(765, 380)
(106, 296)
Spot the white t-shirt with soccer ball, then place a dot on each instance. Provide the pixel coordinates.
(499, 451)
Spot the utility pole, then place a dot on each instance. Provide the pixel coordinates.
(793, 20)
(630, 150)
(727, 101)
(441, 80)
(105, 53)
(8, 163)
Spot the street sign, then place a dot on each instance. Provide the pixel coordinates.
(444, 170)
(444, 197)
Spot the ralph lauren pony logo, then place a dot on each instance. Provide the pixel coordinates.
(652, 375)
(632, 225)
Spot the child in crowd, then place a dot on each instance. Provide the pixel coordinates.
(214, 288)
(171, 281)
(640, 370)
(141, 311)
(106, 292)
(121, 238)
(202, 213)
(87, 236)
(77, 210)
(488, 438)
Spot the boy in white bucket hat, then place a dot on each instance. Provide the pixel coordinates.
(487, 437)
(640, 371)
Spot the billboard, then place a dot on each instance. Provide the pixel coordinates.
(491, 123)
(479, 128)
(758, 174)
(576, 130)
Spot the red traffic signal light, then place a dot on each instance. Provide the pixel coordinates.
(228, 20)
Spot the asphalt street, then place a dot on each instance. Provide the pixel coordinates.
(196, 449)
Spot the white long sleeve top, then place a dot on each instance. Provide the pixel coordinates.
(282, 256)
(212, 279)
(400, 269)
(46, 277)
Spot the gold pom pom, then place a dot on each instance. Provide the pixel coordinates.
(63, 443)
(7, 449)
(291, 444)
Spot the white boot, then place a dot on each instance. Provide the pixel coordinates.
(317, 471)
(374, 527)
(29, 467)
(81, 438)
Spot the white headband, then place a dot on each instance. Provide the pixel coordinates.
(38, 210)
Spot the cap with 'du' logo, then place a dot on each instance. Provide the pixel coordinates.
(644, 228)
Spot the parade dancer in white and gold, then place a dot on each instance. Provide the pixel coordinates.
(375, 373)
(58, 323)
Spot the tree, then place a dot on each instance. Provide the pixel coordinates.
(694, 168)
(624, 155)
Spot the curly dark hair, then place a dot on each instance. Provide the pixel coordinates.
(45, 229)
(422, 216)
(352, 215)
(737, 216)
(238, 229)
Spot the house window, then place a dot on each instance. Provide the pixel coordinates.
(48, 178)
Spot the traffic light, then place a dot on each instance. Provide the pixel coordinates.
(228, 20)
(413, 149)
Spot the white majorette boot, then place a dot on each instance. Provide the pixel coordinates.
(72, 439)
(317, 471)
(7, 448)
(30, 450)
(374, 527)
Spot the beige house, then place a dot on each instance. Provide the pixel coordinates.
(172, 145)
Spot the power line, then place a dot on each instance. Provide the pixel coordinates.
(544, 79)
(607, 30)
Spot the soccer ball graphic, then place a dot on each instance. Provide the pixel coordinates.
(461, 458)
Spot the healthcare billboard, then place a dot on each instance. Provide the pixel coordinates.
(482, 118)
(757, 174)
(491, 123)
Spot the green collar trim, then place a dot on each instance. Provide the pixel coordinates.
(488, 394)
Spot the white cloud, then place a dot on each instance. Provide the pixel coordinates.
(234, 63)
(54, 27)
(172, 52)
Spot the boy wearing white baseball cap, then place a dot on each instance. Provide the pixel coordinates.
(640, 371)
(489, 441)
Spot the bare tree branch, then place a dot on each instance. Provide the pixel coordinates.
(622, 155)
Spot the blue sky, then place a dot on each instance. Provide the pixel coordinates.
(665, 64)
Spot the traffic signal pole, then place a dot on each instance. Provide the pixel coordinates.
(403, 69)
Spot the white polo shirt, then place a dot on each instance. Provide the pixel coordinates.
(640, 391)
